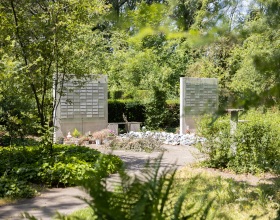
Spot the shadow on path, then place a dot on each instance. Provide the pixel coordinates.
(64, 200)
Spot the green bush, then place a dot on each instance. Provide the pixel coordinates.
(257, 143)
(66, 166)
(162, 116)
(116, 94)
(134, 111)
(218, 144)
(76, 133)
(7, 140)
(14, 188)
(156, 110)
(172, 119)
(254, 147)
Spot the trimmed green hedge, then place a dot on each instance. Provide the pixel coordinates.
(132, 110)
(135, 111)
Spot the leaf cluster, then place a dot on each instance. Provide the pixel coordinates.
(33, 165)
(150, 195)
(253, 148)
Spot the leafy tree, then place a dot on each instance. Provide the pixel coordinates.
(46, 41)
(256, 62)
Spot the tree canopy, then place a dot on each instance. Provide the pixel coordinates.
(141, 45)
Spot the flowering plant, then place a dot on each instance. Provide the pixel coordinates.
(111, 133)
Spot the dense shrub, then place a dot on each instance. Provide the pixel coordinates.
(14, 188)
(116, 94)
(7, 140)
(134, 111)
(173, 115)
(20, 166)
(156, 110)
(218, 144)
(257, 143)
(254, 147)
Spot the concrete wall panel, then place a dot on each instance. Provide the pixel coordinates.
(198, 96)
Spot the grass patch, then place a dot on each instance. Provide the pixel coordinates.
(233, 198)
(85, 213)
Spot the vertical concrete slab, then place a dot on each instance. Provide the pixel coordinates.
(198, 96)
(83, 106)
(134, 126)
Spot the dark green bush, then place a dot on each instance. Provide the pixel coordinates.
(67, 165)
(173, 115)
(164, 117)
(6, 140)
(132, 110)
(116, 94)
(156, 110)
(254, 147)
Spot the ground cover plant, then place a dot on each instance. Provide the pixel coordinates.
(149, 195)
(253, 148)
(22, 167)
(190, 193)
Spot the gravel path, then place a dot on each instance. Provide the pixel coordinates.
(64, 200)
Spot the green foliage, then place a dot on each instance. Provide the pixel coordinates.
(6, 140)
(68, 164)
(135, 111)
(132, 110)
(117, 94)
(76, 133)
(156, 110)
(253, 148)
(41, 44)
(172, 115)
(151, 195)
(14, 188)
(257, 143)
(218, 144)
(15, 114)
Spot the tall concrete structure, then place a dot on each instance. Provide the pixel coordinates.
(198, 96)
(83, 105)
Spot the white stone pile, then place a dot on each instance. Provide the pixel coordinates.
(166, 138)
